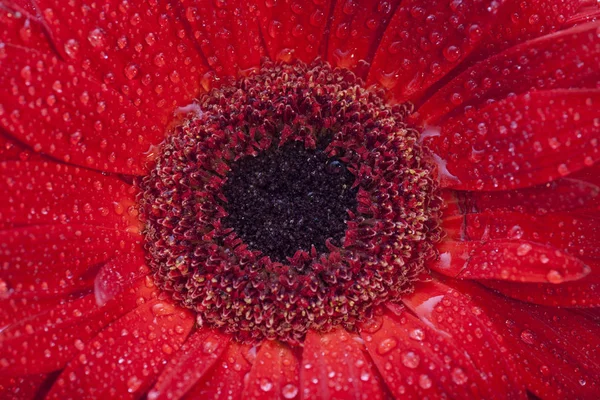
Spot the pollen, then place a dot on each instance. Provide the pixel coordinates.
(294, 199)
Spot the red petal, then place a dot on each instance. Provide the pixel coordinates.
(335, 365)
(21, 5)
(521, 21)
(119, 274)
(590, 175)
(589, 12)
(140, 49)
(21, 388)
(226, 380)
(193, 361)
(425, 40)
(227, 33)
(356, 29)
(47, 341)
(13, 310)
(561, 195)
(582, 293)
(20, 29)
(58, 111)
(456, 316)
(592, 314)
(566, 59)
(511, 260)
(417, 362)
(571, 233)
(50, 193)
(11, 150)
(294, 29)
(274, 374)
(520, 141)
(49, 260)
(557, 351)
(124, 359)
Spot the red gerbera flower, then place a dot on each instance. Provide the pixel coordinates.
(327, 199)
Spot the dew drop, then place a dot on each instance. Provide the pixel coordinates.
(174, 77)
(209, 347)
(131, 71)
(554, 276)
(135, 19)
(387, 345)
(373, 325)
(475, 32)
(365, 376)
(133, 384)
(459, 377)
(425, 381)
(274, 28)
(563, 170)
(122, 42)
(160, 309)
(350, 7)
(26, 73)
(317, 18)
(452, 53)
(266, 384)
(289, 391)
(159, 60)
(72, 48)
(150, 39)
(534, 19)
(417, 334)
(528, 336)
(524, 249)
(97, 38)
(410, 359)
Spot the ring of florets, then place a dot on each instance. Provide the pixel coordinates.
(207, 267)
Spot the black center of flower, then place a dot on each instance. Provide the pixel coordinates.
(289, 199)
(294, 199)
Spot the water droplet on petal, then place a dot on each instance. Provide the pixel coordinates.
(459, 377)
(554, 276)
(131, 71)
(160, 309)
(524, 249)
(159, 60)
(528, 336)
(417, 334)
(133, 384)
(425, 381)
(410, 359)
(387, 345)
(97, 38)
(289, 391)
(71, 48)
(266, 384)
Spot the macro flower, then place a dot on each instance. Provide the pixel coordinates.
(352, 199)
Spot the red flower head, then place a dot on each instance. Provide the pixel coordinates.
(344, 199)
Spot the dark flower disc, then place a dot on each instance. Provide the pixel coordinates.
(294, 199)
(289, 199)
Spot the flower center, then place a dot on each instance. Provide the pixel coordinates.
(295, 199)
(289, 199)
